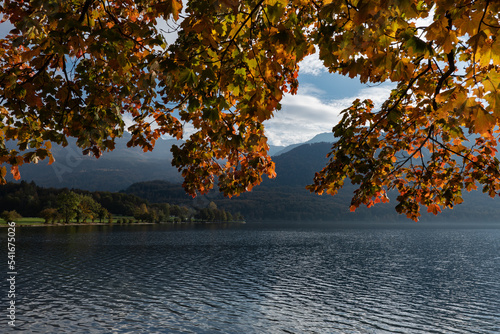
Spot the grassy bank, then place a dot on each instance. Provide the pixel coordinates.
(36, 221)
(25, 221)
(120, 220)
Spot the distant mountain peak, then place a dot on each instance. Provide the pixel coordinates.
(325, 137)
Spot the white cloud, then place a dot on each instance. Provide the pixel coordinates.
(425, 22)
(306, 114)
(312, 65)
(378, 94)
(310, 89)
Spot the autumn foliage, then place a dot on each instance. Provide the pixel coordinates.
(82, 68)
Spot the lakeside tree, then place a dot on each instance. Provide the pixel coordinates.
(213, 214)
(49, 215)
(67, 205)
(70, 66)
(89, 208)
(102, 214)
(9, 216)
(83, 205)
(79, 206)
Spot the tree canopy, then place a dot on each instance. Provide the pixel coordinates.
(80, 68)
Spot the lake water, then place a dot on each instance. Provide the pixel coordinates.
(257, 278)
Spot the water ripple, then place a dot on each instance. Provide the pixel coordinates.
(244, 280)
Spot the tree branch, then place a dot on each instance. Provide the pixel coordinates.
(446, 75)
(41, 69)
(477, 41)
(85, 9)
(410, 84)
(419, 149)
(231, 41)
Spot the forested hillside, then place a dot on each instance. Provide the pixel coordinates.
(62, 205)
(285, 197)
(113, 171)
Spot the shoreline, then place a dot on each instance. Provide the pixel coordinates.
(117, 224)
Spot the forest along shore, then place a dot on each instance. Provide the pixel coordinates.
(40, 223)
(64, 206)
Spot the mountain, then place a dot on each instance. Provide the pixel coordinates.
(285, 197)
(325, 137)
(113, 171)
(151, 176)
(273, 150)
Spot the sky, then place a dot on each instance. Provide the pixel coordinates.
(320, 99)
(317, 105)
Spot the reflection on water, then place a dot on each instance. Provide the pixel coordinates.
(257, 278)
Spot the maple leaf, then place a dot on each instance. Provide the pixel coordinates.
(433, 208)
(15, 172)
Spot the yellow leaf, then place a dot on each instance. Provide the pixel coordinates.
(448, 42)
(445, 96)
(493, 100)
(492, 81)
(234, 88)
(484, 121)
(495, 52)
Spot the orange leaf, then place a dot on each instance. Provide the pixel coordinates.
(434, 208)
(176, 8)
(15, 172)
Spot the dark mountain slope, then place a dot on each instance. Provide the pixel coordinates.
(285, 197)
(113, 171)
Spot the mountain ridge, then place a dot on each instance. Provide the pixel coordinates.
(113, 171)
(325, 137)
(152, 177)
(285, 197)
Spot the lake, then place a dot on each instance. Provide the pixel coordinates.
(257, 278)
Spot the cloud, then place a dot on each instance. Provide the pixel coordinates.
(310, 112)
(301, 117)
(312, 65)
(378, 94)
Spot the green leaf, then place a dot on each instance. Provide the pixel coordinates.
(275, 12)
(187, 76)
(235, 89)
(418, 46)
